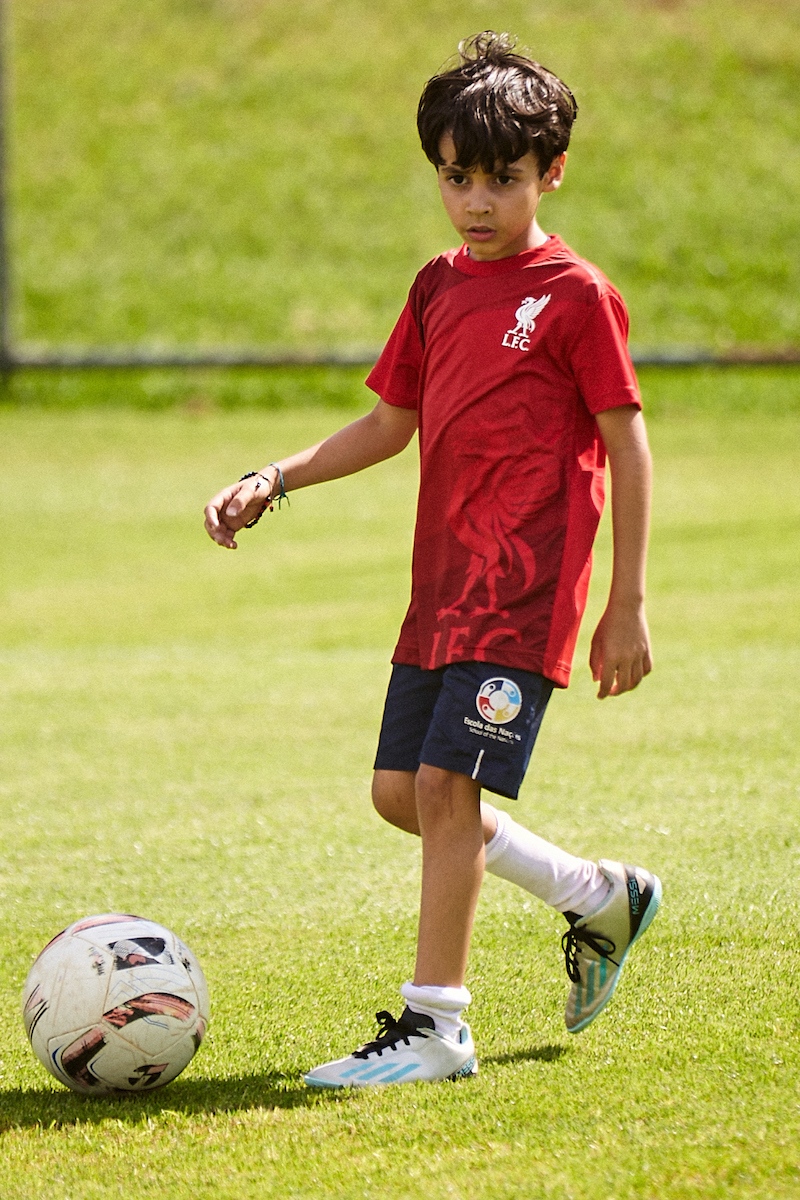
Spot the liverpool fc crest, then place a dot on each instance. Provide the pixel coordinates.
(518, 338)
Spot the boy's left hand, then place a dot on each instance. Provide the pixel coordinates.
(620, 655)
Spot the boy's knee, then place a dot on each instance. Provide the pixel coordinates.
(442, 794)
(394, 799)
(432, 783)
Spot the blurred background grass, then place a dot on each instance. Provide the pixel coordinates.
(233, 172)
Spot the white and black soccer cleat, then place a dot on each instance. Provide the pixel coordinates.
(405, 1051)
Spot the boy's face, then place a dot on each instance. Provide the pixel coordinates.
(495, 213)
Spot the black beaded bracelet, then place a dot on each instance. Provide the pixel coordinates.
(268, 503)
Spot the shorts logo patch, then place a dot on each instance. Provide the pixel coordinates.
(499, 700)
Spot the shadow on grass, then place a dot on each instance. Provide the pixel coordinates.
(532, 1054)
(48, 1108)
(21, 1107)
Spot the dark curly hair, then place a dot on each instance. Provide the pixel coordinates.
(497, 106)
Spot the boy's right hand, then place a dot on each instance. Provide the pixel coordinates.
(233, 508)
(378, 435)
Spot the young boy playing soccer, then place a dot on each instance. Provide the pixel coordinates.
(510, 360)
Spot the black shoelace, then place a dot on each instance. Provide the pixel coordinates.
(390, 1033)
(571, 944)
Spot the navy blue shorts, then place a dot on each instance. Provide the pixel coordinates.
(475, 718)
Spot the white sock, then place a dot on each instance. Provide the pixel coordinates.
(563, 881)
(443, 1004)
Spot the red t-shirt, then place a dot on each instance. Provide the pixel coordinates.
(506, 363)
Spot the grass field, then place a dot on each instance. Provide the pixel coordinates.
(247, 172)
(188, 733)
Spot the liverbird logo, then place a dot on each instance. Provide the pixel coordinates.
(519, 338)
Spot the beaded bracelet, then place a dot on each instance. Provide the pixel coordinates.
(268, 503)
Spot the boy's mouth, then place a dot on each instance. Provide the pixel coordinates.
(480, 233)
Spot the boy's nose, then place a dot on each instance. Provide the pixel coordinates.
(479, 203)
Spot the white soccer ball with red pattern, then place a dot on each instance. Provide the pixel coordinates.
(115, 1004)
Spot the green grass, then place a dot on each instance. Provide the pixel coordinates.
(667, 390)
(247, 172)
(188, 733)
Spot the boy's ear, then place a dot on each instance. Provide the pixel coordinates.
(554, 174)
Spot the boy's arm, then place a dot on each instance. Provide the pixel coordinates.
(380, 434)
(620, 653)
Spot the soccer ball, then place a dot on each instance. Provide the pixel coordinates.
(115, 1004)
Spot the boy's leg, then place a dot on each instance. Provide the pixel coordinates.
(429, 1041)
(448, 809)
(609, 905)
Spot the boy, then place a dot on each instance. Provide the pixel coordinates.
(510, 359)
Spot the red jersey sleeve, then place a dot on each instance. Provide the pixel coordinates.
(396, 375)
(600, 360)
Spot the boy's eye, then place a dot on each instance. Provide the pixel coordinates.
(457, 179)
(504, 180)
